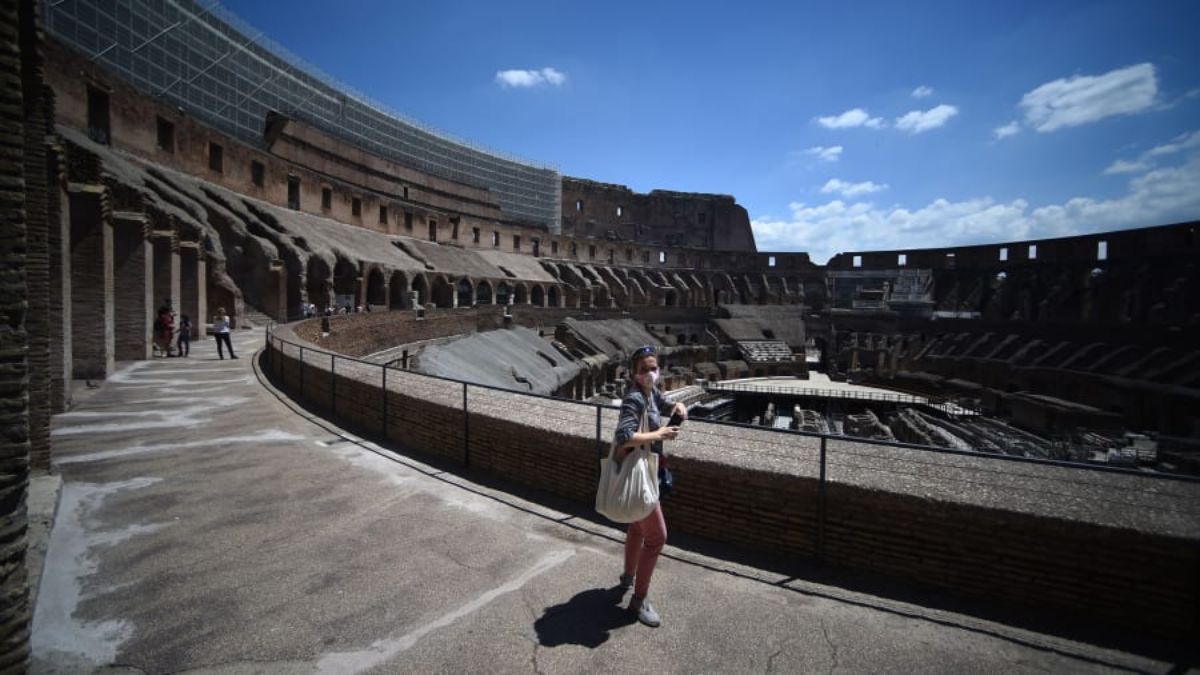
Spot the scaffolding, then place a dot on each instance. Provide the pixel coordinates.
(203, 59)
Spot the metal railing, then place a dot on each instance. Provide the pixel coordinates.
(946, 404)
(831, 453)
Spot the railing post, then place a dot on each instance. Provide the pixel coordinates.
(599, 443)
(385, 402)
(821, 505)
(301, 371)
(466, 431)
(333, 385)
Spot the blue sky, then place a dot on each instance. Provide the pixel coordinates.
(839, 126)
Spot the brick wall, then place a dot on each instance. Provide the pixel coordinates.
(14, 341)
(1028, 556)
(92, 334)
(132, 265)
(37, 256)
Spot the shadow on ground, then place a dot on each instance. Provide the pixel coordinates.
(586, 619)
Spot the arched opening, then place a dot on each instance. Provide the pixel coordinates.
(376, 289)
(345, 284)
(317, 284)
(503, 293)
(539, 296)
(522, 295)
(399, 289)
(442, 292)
(483, 293)
(465, 292)
(421, 286)
(552, 297)
(670, 299)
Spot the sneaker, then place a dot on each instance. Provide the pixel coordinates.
(645, 613)
(626, 582)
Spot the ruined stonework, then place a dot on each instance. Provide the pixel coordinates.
(614, 213)
(14, 342)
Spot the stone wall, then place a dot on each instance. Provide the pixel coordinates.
(14, 343)
(759, 490)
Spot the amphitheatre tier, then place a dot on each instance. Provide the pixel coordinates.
(1030, 445)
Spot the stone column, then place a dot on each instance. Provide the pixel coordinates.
(92, 331)
(166, 269)
(191, 284)
(15, 611)
(60, 295)
(133, 277)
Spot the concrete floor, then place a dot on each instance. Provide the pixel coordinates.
(206, 525)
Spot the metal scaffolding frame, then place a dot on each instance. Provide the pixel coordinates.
(202, 58)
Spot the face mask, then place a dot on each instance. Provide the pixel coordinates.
(648, 379)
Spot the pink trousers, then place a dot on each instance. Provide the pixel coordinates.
(643, 543)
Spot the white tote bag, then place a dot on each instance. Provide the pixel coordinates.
(628, 489)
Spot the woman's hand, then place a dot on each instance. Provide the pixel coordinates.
(666, 433)
(680, 409)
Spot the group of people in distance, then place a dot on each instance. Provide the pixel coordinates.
(311, 311)
(174, 338)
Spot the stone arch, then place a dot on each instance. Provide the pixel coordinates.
(483, 293)
(318, 284)
(521, 295)
(345, 281)
(503, 293)
(377, 291)
(464, 292)
(538, 296)
(552, 297)
(398, 291)
(442, 293)
(421, 285)
(669, 298)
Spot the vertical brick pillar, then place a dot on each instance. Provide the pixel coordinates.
(92, 331)
(133, 266)
(166, 269)
(59, 241)
(191, 284)
(37, 254)
(14, 377)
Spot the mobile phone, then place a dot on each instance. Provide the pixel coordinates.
(676, 419)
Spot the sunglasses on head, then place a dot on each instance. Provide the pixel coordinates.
(642, 351)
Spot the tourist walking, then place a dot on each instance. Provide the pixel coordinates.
(184, 346)
(221, 332)
(646, 537)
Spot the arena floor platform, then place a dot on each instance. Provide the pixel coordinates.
(206, 523)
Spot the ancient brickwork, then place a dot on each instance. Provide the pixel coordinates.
(615, 213)
(133, 260)
(14, 343)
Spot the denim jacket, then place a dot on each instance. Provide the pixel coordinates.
(631, 412)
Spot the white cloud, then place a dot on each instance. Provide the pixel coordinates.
(1081, 99)
(1122, 166)
(851, 118)
(851, 189)
(830, 154)
(1161, 196)
(530, 78)
(917, 121)
(1184, 141)
(1011, 129)
(1181, 142)
(922, 91)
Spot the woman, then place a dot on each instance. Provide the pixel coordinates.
(221, 332)
(646, 537)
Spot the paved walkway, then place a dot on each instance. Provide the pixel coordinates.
(205, 525)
